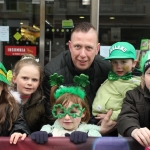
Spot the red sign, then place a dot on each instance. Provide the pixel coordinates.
(20, 50)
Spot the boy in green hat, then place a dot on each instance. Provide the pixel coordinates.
(111, 93)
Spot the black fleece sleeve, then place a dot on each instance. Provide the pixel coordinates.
(20, 125)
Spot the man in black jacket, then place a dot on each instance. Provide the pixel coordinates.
(82, 57)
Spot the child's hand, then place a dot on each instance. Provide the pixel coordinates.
(142, 135)
(15, 137)
(77, 137)
(100, 117)
(40, 137)
(107, 125)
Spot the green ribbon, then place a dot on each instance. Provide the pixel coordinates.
(113, 76)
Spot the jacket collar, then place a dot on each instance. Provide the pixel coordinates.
(16, 95)
(36, 97)
(74, 71)
(145, 92)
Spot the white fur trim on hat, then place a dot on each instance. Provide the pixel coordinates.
(16, 95)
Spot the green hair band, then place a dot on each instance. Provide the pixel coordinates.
(55, 79)
(71, 90)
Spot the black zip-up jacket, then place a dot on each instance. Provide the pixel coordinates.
(19, 125)
(32, 114)
(135, 111)
(63, 65)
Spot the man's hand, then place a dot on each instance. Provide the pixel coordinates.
(100, 117)
(16, 136)
(107, 125)
(142, 135)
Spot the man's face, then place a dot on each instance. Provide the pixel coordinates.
(83, 47)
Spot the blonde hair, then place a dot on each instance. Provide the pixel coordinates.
(26, 59)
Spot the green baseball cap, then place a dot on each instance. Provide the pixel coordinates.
(121, 50)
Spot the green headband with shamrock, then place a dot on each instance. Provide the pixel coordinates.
(81, 82)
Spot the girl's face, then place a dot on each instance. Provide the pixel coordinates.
(68, 122)
(122, 66)
(27, 80)
(147, 78)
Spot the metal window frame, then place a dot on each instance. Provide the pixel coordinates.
(42, 33)
(94, 18)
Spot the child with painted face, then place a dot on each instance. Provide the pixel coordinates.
(134, 118)
(72, 113)
(122, 56)
(26, 80)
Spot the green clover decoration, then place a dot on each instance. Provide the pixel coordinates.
(74, 115)
(67, 111)
(56, 80)
(54, 111)
(81, 80)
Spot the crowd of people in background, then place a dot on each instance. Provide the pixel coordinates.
(78, 93)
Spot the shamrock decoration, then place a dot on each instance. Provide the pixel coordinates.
(54, 111)
(74, 115)
(81, 80)
(64, 111)
(113, 76)
(9, 75)
(56, 80)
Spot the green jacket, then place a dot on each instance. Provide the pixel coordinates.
(110, 95)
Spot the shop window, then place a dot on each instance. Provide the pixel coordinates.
(129, 1)
(62, 4)
(129, 6)
(81, 6)
(106, 6)
(11, 4)
(106, 1)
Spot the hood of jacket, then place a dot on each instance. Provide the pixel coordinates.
(16, 95)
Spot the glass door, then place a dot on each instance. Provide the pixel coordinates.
(60, 18)
(20, 25)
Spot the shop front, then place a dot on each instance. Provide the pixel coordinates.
(43, 27)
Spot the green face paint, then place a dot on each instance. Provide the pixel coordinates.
(64, 111)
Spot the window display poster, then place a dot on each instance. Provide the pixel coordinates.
(11, 50)
(115, 34)
(4, 33)
(104, 51)
(145, 44)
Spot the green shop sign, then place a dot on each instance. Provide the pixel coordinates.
(67, 23)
